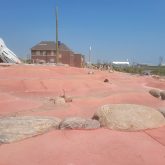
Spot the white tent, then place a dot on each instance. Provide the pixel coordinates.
(6, 55)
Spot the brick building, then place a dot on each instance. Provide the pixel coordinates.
(45, 52)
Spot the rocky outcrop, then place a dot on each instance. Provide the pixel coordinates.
(79, 123)
(18, 128)
(129, 117)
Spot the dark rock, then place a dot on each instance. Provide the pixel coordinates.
(106, 80)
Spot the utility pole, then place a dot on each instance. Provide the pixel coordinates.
(160, 60)
(57, 48)
(90, 52)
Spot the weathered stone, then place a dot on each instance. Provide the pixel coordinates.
(79, 123)
(162, 94)
(17, 128)
(155, 93)
(129, 117)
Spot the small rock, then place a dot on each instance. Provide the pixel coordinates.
(59, 100)
(111, 71)
(155, 76)
(90, 72)
(106, 80)
(162, 94)
(68, 99)
(79, 123)
(155, 93)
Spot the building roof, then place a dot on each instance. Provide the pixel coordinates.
(50, 45)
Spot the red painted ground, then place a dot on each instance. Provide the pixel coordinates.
(25, 90)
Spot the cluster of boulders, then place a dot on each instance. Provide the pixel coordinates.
(157, 93)
(125, 117)
(59, 100)
(21, 127)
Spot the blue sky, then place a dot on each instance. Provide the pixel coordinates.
(116, 29)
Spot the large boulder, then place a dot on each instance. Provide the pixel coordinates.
(17, 128)
(79, 123)
(129, 117)
(155, 93)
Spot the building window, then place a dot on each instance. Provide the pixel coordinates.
(52, 60)
(48, 52)
(37, 52)
(44, 53)
(52, 53)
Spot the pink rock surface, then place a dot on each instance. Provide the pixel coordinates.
(94, 147)
(26, 90)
